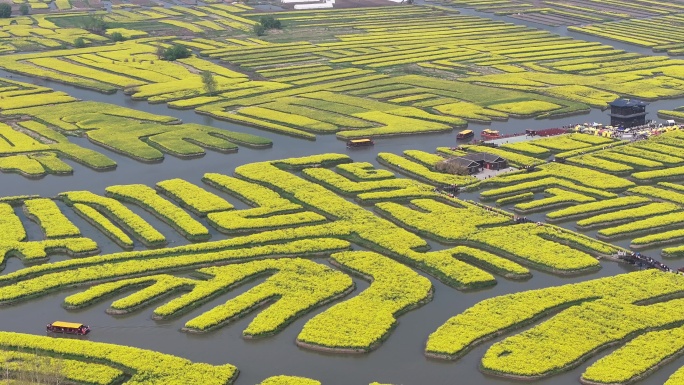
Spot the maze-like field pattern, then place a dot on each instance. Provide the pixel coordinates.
(304, 209)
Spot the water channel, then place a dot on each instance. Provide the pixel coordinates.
(399, 361)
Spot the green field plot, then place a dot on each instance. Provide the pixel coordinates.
(386, 83)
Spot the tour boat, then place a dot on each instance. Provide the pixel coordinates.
(490, 134)
(68, 328)
(360, 143)
(465, 134)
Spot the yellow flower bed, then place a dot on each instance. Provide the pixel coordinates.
(674, 173)
(192, 197)
(50, 218)
(659, 238)
(426, 158)
(565, 142)
(525, 108)
(204, 65)
(59, 65)
(583, 94)
(393, 125)
(46, 98)
(298, 285)
(597, 207)
(658, 194)
(117, 266)
(278, 117)
(491, 262)
(126, 33)
(515, 198)
(22, 164)
(361, 323)
(251, 193)
(637, 357)
(103, 224)
(593, 162)
(528, 148)
(558, 197)
(147, 198)
(565, 339)
(541, 184)
(12, 228)
(672, 186)
(368, 191)
(541, 246)
(633, 161)
(629, 214)
(649, 224)
(363, 171)
(673, 252)
(367, 228)
(38, 251)
(155, 286)
(645, 155)
(420, 172)
(253, 220)
(70, 369)
(429, 216)
(289, 380)
(119, 213)
(144, 366)
(497, 315)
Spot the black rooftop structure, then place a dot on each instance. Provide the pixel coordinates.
(627, 113)
(477, 161)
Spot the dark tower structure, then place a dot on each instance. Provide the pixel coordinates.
(627, 113)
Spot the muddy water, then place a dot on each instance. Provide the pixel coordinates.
(400, 360)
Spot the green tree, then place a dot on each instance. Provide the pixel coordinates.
(259, 30)
(24, 9)
(175, 52)
(270, 22)
(117, 36)
(95, 24)
(79, 42)
(160, 52)
(5, 11)
(209, 82)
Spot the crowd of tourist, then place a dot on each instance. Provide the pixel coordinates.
(644, 261)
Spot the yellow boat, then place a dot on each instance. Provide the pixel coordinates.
(360, 143)
(487, 133)
(465, 134)
(68, 328)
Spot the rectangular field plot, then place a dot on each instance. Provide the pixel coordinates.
(380, 71)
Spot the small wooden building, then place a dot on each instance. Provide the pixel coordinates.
(487, 160)
(472, 166)
(477, 161)
(627, 113)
